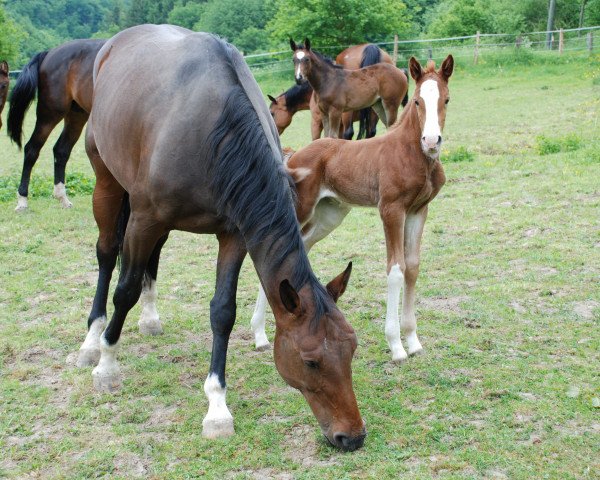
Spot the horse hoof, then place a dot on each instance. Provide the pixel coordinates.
(150, 327)
(263, 347)
(416, 352)
(217, 427)
(400, 357)
(106, 381)
(65, 203)
(88, 357)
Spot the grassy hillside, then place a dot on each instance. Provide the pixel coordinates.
(508, 308)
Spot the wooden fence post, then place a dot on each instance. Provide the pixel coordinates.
(561, 41)
(430, 53)
(518, 41)
(395, 54)
(476, 53)
(590, 41)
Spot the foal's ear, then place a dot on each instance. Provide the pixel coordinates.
(4, 67)
(272, 98)
(293, 44)
(447, 67)
(289, 298)
(307, 44)
(338, 285)
(415, 69)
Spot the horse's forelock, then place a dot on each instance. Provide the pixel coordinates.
(430, 68)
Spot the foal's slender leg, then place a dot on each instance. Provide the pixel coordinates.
(149, 323)
(413, 231)
(393, 216)
(380, 111)
(45, 123)
(218, 422)
(107, 203)
(73, 125)
(335, 120)
(347, 125)
(141, 237)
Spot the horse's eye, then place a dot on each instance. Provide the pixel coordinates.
(447, 100)
(311, 364)
(417, 103)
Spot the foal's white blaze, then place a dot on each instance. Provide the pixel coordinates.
(258, 320)
(218, 421)
(430, 94)
(299, 56)
(392, 322)
(149, 323)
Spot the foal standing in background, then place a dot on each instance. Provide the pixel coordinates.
(399, 173)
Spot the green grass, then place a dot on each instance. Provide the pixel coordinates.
(508, 307)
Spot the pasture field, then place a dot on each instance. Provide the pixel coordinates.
(508, 309)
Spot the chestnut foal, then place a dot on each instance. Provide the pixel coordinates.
(399, 173)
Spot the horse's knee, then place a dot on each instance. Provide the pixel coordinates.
(222, 316)
(127, 293)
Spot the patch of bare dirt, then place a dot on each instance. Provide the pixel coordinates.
(585, 309)
(302, 447)
(444, 304)
(130, 465)
(574, 428)
(261, 474)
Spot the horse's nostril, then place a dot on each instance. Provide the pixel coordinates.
(439, 140)
(341, 439)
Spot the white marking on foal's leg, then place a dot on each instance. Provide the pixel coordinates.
(89, 352)
(392, 322)
(107, 375)
(149, 322)
(258, 321)
(60, 193)
(218, 421)
(21, 203)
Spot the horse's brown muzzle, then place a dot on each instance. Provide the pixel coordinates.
(346, 442)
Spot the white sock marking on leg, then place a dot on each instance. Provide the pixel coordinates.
(149, 322)
(392, 322)
(21, 203)
(89, 352)
(258, 320)
(60, 193)
(218, 421)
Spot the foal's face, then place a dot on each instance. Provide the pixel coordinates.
(317, 361)
(431, 98)
(302, 60)
(3, 86)
(280, 113)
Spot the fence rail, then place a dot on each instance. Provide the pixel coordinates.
(476, 46)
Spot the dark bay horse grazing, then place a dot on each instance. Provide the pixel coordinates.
(399, 173)
(194, 148)
(4, 81)
(62, 78)
(337, 90)
(286, 105)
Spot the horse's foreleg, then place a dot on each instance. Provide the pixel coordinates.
(347, 131)
(413, 231)
(44, 125)
(74, 122)
(335, 120)
(380, 111)
(141, 236)
(391, 112)
(218, 422)
(149, 322)
(393, 216)
(258, 321)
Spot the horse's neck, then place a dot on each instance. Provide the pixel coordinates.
(318, 76)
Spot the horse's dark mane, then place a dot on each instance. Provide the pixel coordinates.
(254, 191)
(293, 96)
(327, 59)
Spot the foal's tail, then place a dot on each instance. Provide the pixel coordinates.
(122, 223)
(405, 99)
(22, 95)
(371, 56)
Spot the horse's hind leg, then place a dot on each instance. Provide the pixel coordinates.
(45, 123)
(149, 323)
(380, 111)
(413, 231)
(141, 237)
(218, 422)
(347, 125)
(391, 112)
(107, 206)
(74, 122)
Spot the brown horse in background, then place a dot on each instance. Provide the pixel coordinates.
(62, 79)
(195, 149)
(337, 90)
(4, 82)
(399, 173)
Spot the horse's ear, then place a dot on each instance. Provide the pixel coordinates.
(338, 285)
(4, 67)
(307, 44)
(289, 298)
(270, 97)
(293, 45)
(415, 69)
(447, 67)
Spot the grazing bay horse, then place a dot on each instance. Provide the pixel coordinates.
(399, 173)
(62, 78)
(286, 105)
(195, 149)
(4, 81)
(337, 90)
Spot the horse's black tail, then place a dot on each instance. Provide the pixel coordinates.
(405, 99)
(371, 55)
(22, 95)
(122, 223)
